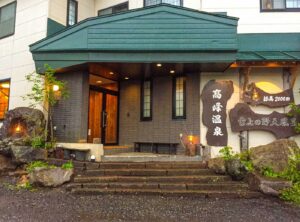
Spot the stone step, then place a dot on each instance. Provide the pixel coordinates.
(163, 186)
(198, 193)
(147, 172)
(158, 179)
(136, 157)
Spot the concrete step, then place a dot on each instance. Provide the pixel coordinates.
(158, 179)
(149, 157)
(198, 193)
(146, 172)
(113, 150)
(163, 186)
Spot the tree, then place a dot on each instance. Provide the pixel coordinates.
(46, 91)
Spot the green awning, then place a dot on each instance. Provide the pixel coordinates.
(162, 33)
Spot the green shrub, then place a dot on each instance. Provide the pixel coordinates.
(227, 153)
(245, 159)
(292, 172)
(38, 142)
(68, 165)
(292, 194)
(36, 164)
(25, 186)
(269, 172)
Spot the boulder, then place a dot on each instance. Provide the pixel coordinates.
(6, 164)
(266, 185)
(217, 165)
(236, 169)
(274, 155)
(50, 177)
(27, 154)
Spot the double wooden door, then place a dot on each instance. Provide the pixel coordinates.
(103, 117)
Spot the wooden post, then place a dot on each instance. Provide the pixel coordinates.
(243, 82)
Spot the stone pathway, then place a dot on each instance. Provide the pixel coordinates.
(57, 205)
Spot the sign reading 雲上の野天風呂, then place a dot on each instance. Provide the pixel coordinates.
(215, 96)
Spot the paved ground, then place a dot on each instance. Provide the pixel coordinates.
(57, 205)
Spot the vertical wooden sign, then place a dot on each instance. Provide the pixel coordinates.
(215, 96)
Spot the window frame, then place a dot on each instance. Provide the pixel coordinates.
(174, 117)
(143, 118)
(2, 81)
(68, 12)
(278, 10)
(14, 29)
(181, 3)
(112, 8)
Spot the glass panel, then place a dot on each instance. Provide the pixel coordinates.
(273, 4)
(172, 2)
(72, 13)
(293, 3)
(155, 2)
(152, 2)
(7, 19)
(4, 97)
(147, 99)
(120, 8)
(107, 11)
(179, 97)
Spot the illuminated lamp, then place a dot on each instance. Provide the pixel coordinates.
(55, 88)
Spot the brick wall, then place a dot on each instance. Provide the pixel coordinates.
(162, 128)
(70, 116)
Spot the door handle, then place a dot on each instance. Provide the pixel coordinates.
(104, 119)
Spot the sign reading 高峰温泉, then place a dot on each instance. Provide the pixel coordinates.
(256, 96)
(280, 124)
(215, 96)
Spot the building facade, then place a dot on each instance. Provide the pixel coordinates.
(137, 70)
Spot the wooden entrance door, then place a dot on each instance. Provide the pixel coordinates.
(103, 117)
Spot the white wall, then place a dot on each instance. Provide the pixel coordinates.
(15, 58)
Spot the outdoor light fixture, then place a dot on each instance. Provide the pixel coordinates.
(172, 71)
(190, 138)
(93, 158)
(5, 85)
(255, 95)
(18, 128)
(126, 78)
(111, 73)
(158, 65)
(55, 88)
(99, 81)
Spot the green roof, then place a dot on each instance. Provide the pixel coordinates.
(269, 47)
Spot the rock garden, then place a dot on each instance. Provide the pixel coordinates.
(273, 169)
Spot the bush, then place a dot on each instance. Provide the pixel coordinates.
(38, 142)
(68, 165)
(292, 194)
(227, 153)
(36, 164)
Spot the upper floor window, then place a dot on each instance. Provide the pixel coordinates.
(179, 97)
(114, 9)
(280, 5)
(4, 97)
(7, 19)
(155, 2)
(72, 14)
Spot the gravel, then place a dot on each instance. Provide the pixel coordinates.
(59, 205)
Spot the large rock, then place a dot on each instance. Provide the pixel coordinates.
(48, 177)
(236, 169)
(217, 165)
(27, 154)
(6, 165)
(32, 121)
(269, 186)
(274, 155)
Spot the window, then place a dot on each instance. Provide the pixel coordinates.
(146, 100)
(155, 2)
(7, 19)
(179, 95)
(72, 13)
(114, 9)
(4, 97)
(280, 5)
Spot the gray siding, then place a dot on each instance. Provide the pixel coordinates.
(162, 128)
(70, 116)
